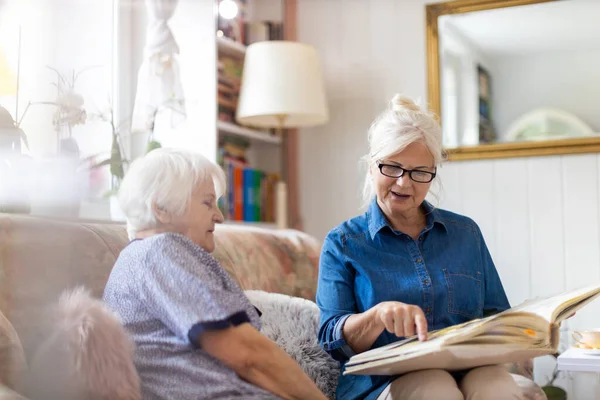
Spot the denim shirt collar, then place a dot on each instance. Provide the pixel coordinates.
(376, 220)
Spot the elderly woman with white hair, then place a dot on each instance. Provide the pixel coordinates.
(404, 267)
(196, 333)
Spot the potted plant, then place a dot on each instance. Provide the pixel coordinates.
(116, 160)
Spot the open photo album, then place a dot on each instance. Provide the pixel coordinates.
(528, 330)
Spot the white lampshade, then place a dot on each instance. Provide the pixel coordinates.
(282, 81)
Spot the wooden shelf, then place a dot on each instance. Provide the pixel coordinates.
(230, 47)
(236, 130)
(265, 225)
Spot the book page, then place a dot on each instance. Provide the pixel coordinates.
(552, 308)
(526, 326)
(435, 339)
(453, 358)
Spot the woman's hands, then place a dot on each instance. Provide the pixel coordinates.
(402, 319)
(361, 330)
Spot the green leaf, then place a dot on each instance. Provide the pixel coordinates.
(111, 193)
(153, 145)
(101, 164)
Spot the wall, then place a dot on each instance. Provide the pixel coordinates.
(369, 51)
(567, 80)
(539, 216)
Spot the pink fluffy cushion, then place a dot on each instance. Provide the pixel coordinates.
(87, 354)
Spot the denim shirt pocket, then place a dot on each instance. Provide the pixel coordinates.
(465, 295)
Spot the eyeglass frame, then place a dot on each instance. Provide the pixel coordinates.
(380, 165)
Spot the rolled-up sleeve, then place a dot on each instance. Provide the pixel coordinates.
(335, 297)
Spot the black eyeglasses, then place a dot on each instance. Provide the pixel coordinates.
(396, 171)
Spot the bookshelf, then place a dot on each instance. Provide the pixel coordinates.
(231, 47)
(229, 128)
(265, 225)
(252, 159)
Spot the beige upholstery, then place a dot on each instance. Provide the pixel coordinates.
(39, 258)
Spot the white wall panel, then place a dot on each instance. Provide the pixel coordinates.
(512, 227)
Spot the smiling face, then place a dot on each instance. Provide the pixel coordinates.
(402, 197)
(198, 222)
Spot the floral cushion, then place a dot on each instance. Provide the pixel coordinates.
(281, 261)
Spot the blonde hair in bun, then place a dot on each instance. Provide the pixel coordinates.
(402, 123)
(402, 103)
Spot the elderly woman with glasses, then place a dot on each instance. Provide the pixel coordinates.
(405, 267)
(196, 334)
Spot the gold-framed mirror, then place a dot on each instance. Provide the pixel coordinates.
(515, 78)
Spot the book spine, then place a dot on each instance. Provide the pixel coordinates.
(257, 194)
(230, 191)
(238, 188)
(248, 196)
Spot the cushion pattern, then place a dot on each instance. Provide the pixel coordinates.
(282, 261)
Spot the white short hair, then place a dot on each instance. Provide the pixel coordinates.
(402, 123)
(164, 178)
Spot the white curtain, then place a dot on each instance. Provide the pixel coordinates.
(159, 85)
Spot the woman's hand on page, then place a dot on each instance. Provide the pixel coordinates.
(403, 319)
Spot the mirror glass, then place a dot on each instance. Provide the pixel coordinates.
(523, 73)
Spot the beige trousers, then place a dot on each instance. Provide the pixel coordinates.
(483, 383)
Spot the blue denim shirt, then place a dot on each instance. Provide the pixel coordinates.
(448, 272)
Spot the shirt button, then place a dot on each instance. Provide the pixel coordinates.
(419, 261)
(325, 346)
(421, 238)
(428, 310)
(426, 281)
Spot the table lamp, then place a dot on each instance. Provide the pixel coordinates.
(282, 87)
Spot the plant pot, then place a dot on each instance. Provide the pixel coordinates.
(555, 393)
(69, 148)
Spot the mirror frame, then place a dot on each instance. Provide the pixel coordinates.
(494, 150)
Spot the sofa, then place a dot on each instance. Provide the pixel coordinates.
(40, 258)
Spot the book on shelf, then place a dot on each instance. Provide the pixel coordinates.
(528, 330)
(263, 30)
(250, 193)
(229, 73)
